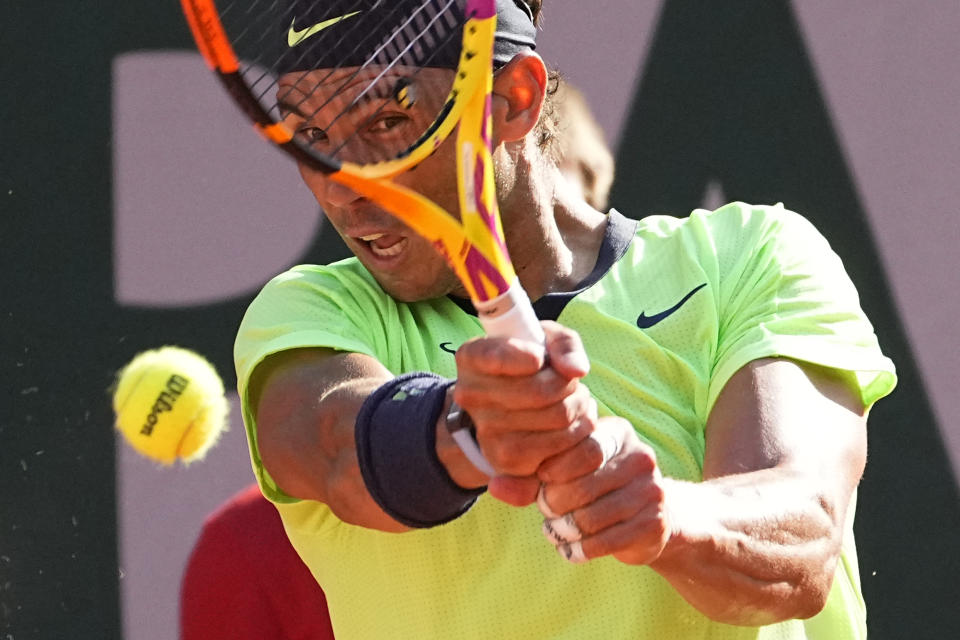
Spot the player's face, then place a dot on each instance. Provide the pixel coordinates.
(405, 264)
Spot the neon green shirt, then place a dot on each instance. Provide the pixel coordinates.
(673, 309)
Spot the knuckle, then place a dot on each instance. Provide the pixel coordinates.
(579, 495)
(655, 493)
(575, 406)
(553, 417)
(482, 354)
(562, 332)
(462, 392)
(549, 385)
(500, 456)
(591, 454)
(597, 546)
(467, 353)
(507, 459)
(641, 460)
(587, 521)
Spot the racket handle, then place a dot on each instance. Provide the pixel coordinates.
(510, 314)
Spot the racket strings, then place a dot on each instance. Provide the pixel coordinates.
(414, 140)
(250, 24)
(394, 55)
(269, 10)
(361, 44)
(344, 35)
(265, 72)
(377, 57)
(418, 41)
(259, 31)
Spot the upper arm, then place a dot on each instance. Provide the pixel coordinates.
(803, 418)
(306, 402)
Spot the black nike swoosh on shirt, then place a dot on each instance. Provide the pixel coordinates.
(446, 347)
(645, 322)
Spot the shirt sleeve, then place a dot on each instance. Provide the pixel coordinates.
(783, 292)
(308, 306)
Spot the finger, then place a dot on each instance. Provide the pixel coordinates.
(618, 506)
(565, 350)
(573, 552)
(544, 505)
(541, 389)
(575, 410)
(518, 491)
(613, 508)
(639, 540)
(623, 468)
(562, 530)
(500, 356)
(588, 456)
(521, 453)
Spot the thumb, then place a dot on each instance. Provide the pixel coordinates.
(565, 351)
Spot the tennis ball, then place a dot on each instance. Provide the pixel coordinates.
(170, 404)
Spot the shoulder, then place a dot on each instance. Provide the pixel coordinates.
(348, 275)
(329, 294)
(736, 219)
(734, 232)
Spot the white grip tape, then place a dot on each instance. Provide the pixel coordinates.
(510, 315)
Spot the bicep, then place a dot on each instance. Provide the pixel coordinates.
(780, 413)
(305, 402)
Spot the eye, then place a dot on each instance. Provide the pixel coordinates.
(387, 123)
(312, 135)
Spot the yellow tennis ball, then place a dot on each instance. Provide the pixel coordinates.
(170, 404)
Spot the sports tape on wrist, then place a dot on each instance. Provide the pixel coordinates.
(397, 451)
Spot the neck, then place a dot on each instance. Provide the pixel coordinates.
(554, 237)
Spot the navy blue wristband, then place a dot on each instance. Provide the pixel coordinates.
(397, 450)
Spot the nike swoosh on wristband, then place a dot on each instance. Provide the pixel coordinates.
(645, 322)
(295, 37)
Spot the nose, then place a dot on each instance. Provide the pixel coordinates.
(339, 195)
(329, 194)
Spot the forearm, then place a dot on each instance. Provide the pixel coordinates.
(752, 548)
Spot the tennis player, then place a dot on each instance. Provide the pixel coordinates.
(694, 433)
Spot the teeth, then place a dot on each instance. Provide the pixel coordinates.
(372, 237)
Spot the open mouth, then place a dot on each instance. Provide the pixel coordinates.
(383, 245)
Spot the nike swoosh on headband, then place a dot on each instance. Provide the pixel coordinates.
(295, 37)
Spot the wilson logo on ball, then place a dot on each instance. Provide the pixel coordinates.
(175, 386)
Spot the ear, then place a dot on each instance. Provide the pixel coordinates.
(519, 89)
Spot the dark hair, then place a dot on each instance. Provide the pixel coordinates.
(535, 8)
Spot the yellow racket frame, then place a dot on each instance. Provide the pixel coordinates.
(474, 250)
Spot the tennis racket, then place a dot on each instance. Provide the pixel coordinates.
(334, 84)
